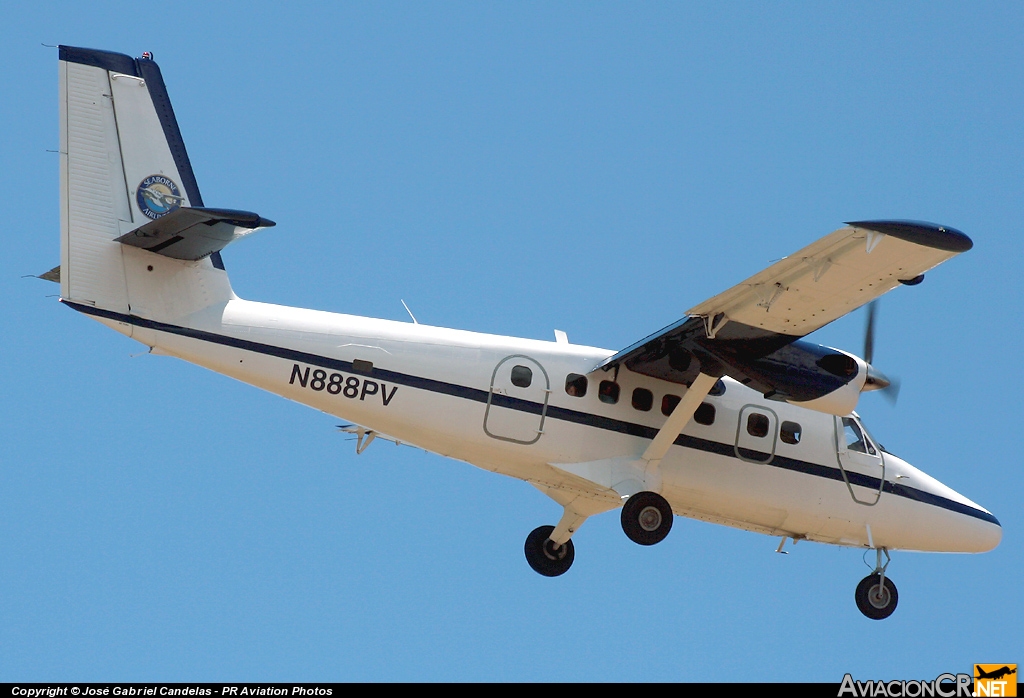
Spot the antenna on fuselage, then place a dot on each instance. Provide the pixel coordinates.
(415, 321)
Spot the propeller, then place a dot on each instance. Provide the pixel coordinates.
(876, 380)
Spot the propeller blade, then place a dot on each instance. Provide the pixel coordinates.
(892, 391)
(869, 333)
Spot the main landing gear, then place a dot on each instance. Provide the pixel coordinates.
(876, 594)
(544, 556)
(646, 518)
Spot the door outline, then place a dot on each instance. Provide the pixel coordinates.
(543, 410)
(845, 452)
(739, 427)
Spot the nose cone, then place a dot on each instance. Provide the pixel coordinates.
(979, 531)
(939, 518)
(992, 534)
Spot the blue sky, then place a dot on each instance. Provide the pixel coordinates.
(509, 168)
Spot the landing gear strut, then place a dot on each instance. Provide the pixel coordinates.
(646, 518)
(876, 594)
(544, 556)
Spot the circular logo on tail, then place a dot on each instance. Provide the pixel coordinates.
(157, 196)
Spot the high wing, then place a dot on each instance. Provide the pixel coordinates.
(835, 275)
(751, 331)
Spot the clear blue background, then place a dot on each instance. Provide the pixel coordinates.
(508, 168)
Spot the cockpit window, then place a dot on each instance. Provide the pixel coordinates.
(855, 438)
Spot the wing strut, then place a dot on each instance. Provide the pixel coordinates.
(626, 475)
(679, 418)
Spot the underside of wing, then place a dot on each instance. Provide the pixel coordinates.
(835, 275)
(751, 331)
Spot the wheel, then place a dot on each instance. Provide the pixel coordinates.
(875, 600)
(646, 518)
(544, 556)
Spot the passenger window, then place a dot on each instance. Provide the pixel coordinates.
(790, 432)
(705, 414)
(668, 403)
(576, 385)
(757, 425)
(608, 392)
(643, 399)
(521, 376)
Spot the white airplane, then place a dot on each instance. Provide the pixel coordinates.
(725, 416)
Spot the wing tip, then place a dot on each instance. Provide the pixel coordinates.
(940, 237)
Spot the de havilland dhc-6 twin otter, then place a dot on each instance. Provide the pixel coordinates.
(725, 416)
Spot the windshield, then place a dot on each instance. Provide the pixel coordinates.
(870, 434)
(856, 439)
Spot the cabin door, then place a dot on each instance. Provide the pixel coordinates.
(517, 403)
(860, 460)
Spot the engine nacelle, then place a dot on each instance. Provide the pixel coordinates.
(843, 400)
(807, 375)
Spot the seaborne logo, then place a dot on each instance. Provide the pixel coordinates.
(157, 196)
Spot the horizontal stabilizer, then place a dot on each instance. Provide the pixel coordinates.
(366, 436)
(52, 275)
(193, 233)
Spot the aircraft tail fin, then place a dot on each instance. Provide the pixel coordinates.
(123, 166)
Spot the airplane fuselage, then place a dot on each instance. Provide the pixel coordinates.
(745, 461)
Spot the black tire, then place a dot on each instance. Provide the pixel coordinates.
(544, 557)
(875, 602)
(646, 518)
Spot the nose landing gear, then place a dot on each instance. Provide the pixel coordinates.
(876, 594)
(646, 518)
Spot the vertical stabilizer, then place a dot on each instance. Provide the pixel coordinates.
(123, 165)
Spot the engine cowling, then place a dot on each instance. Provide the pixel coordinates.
(843, 400)
(808, 375)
